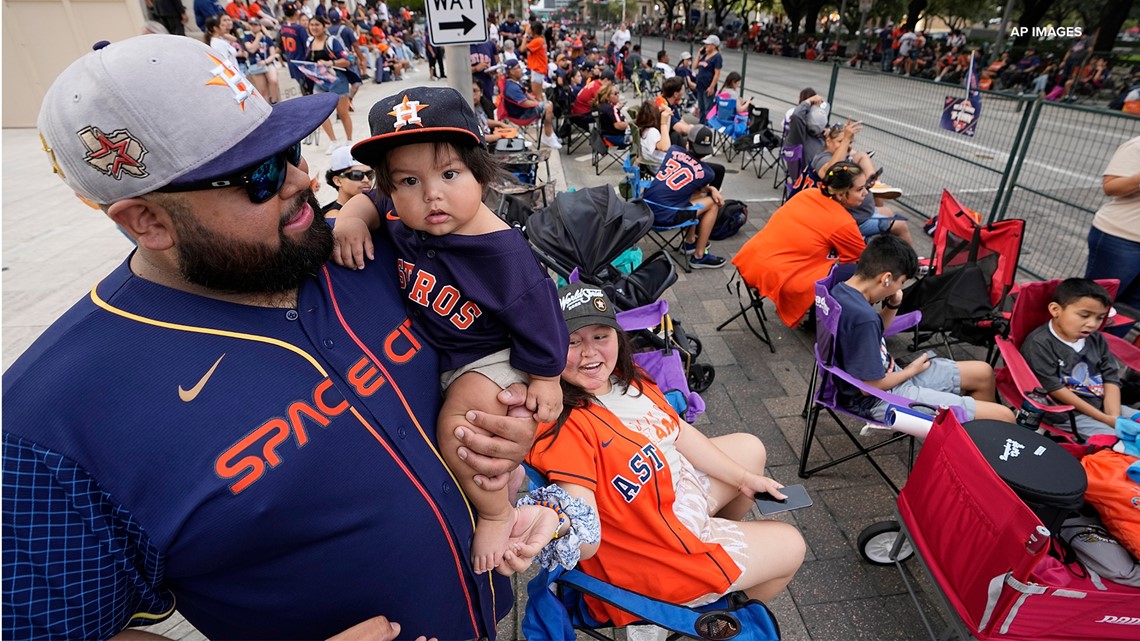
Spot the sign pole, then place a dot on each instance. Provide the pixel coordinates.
(457, 66)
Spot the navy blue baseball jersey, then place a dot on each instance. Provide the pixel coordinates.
(273, 473)
(472, 296)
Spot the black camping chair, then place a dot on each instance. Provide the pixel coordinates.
(761, 146)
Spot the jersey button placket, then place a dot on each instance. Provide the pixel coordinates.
(291, 315)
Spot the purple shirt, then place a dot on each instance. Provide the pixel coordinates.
(471, 296)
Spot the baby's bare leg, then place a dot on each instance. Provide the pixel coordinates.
(473, 391)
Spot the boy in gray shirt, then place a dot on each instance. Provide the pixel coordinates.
(1071, 359)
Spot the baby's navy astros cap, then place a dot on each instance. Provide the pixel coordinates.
(140, 114)
(417, 115)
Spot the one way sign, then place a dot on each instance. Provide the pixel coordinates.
(456, 22)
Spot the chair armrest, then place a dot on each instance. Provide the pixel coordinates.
(1125, 352)
(903, 322)
(893, 399)
(643, 317)
(1023, 377)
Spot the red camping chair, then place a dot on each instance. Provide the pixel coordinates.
(1016, 382)
(502, 115)
(962, 244)
(983, 551)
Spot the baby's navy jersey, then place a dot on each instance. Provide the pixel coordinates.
(271, 473)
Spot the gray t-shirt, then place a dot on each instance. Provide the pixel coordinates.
(1057, 365)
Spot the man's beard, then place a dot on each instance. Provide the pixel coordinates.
(211, 260)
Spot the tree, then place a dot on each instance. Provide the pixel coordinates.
(914, 11)
(1112, 18)
(959, 14)
(1031, 14)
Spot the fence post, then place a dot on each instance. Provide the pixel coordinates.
(1005, 193)
(831, 87)
(743, 69)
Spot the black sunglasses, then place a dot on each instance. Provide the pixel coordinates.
(357, 174)
(261, 181)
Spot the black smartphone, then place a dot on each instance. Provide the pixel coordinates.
(797, 498)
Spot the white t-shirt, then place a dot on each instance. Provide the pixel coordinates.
(665, 69)
(382, 10)
(621, 37)
(493, 32)
(225, 49)
(906, 42)
(649, 151)
(1120, 216)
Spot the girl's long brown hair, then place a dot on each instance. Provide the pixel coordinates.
(574, 397)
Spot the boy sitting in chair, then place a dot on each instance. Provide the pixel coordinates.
(1071, 359)
(684, 180)
(883, 269)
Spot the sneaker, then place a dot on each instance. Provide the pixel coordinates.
(689, 249)
(708, 261)
(551, 142)
(333, 145)
(885, 191)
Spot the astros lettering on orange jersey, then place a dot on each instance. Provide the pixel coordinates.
(639, 464)
(421, 289)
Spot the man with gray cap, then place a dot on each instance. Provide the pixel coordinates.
(708, 72)
(226, 423)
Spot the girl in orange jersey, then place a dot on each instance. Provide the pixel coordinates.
(669, 498)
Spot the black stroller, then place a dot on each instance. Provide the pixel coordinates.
(586, 230)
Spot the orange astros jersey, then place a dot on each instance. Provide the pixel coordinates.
(644, 547)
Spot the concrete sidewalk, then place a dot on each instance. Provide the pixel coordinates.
(55, 249)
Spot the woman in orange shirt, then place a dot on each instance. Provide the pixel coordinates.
(803, 239)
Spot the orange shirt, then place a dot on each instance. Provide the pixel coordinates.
(645, 547)
(536, 59)
(795, 249)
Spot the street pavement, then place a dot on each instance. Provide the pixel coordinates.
(55, 249)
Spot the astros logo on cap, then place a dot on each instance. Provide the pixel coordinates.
(407, 113)
(225, 75)
(115, 153)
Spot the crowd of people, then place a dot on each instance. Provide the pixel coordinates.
(366, 378)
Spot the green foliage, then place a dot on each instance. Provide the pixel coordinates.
(959, 14)
(415, 6)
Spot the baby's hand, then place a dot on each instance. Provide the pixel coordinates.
(544, 398)
(353, 243)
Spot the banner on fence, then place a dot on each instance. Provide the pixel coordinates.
(960, 115)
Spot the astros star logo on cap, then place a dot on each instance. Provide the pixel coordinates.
(115, 153)
(407, 113)
(225, 75)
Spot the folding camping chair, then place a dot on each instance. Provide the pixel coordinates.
(971, 273)
(556, 607)
(755, 305)
(673, 366)
(791, 162)
(823, 392)
(727, 126)
(1016, 382)
(604, 151)
(762, 150)
(523, 124)
(985, 551)
(670, 237)
(577, 130)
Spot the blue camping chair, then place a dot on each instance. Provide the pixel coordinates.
(728, 125)
(669, 237)
(555, 608)
(823, 392)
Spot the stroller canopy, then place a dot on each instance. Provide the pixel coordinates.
(588, 228)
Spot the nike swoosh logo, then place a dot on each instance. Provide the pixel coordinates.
(391, 215)
(192, 393)
(607, 443)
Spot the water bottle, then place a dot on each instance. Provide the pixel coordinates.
(1029, 416)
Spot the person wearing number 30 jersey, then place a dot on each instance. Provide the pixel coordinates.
(684, 180)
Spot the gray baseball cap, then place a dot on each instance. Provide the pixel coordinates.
(584, 305)
(713, 40)
(150, 111)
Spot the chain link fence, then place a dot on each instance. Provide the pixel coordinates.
(1031, 159)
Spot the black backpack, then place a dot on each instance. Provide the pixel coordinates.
(729, 220)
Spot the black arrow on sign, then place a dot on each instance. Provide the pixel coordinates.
(466, 24)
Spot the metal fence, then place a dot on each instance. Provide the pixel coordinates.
(1031, 159)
